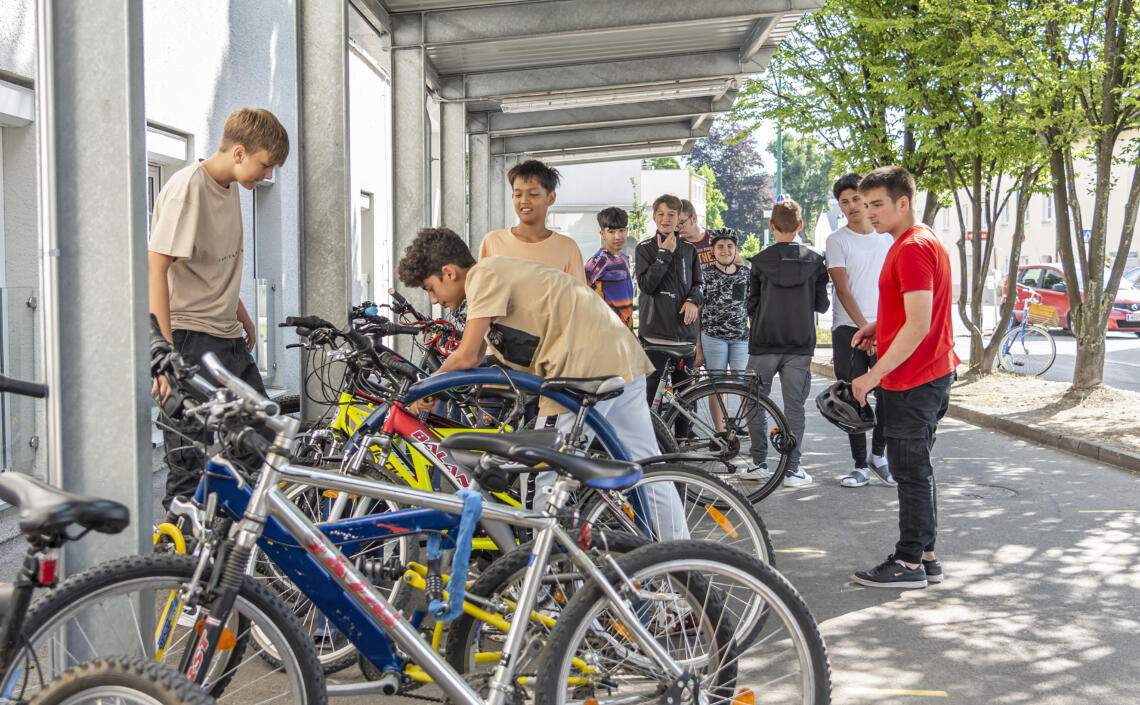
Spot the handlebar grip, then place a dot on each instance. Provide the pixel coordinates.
(399, 299)
(24, 389)
(358, 340)
(404, 369)
(232, 382)
(306, 322)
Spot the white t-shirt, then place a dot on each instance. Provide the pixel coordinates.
(862, 256)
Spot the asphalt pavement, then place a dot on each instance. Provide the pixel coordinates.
(1041, 602)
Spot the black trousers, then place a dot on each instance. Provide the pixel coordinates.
(659, 360)
(910, 420)
(186, 462)
(850, 363)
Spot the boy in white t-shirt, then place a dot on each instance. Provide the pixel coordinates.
(855, 255)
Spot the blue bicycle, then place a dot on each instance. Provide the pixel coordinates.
(1028, 348)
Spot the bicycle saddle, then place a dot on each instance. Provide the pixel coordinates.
(598, 388)
(47, 510)
(500, 443)
(675, 351)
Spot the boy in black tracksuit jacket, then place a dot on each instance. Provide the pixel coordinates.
(787, 287)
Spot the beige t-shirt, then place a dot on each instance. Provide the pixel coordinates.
(547, 323)
(197, 221)
(558, 251)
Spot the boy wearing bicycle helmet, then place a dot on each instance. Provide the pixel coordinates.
(545, 322)
(194, 265)
(914, 338)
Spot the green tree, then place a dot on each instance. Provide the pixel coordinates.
(751, 247)
(807, 177)
(661, 163)
(738, 166)
(637, 214)
(714, 199)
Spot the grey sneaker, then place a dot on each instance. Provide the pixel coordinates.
(891, 574)
(933, 570)
(859, 477)
(882, 471)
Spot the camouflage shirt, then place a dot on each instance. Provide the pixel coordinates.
(724, 315)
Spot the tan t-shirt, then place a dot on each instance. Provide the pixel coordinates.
(547, 323)
(558, 251)
(197, 221)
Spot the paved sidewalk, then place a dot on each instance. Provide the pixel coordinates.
(1042, 598)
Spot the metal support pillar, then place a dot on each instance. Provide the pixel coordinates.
(499, 193)
(479, 142)
(453, 166)
(326, 225)
(411, 155)
(89, 106)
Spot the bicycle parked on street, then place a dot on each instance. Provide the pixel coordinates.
(1028, 347)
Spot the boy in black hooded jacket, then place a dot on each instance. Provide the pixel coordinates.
(788, 285)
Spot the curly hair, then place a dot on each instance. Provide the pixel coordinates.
(847, 181)
(432, 248)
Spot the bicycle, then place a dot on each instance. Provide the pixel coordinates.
(721, 437)
(1028, 348)
(47, 517)
(652, 621)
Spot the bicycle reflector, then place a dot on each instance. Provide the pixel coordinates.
(837, 404)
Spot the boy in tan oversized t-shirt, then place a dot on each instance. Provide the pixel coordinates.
(194, 264)
(545, 322)
(533, 187)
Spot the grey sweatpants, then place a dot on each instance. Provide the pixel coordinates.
(795, 385)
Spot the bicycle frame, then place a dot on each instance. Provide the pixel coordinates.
(317, 566)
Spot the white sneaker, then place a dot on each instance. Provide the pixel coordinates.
(758, 471)
(882, 469)
(799, 478)
(859, 477)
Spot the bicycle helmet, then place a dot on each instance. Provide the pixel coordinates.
(838, 405)
(724, 234)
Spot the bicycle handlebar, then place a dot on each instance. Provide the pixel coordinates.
(24, 389)
(403, 304)
(253, 400)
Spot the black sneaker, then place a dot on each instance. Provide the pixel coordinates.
(933, 571)
(891, 574)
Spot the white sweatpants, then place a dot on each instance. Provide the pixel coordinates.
(628, 413)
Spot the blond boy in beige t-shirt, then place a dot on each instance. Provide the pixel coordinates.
(545, 322)
(194, 263)
(533, 187)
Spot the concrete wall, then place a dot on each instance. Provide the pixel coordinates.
(18, 37)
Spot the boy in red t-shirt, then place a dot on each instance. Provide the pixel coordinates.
(914, 337)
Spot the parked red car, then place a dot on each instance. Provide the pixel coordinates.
(1048, 282)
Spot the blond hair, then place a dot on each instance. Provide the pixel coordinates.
(256, 129)
(786, 216)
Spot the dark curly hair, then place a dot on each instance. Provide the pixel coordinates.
(432, 248)
(847, 181)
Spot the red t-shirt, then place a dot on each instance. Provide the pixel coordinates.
(704, 250)
(917, 261)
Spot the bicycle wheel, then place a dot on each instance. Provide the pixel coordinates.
(1026, 351)
(476, 643)
(685, 595)
(118, 608)
(727, 439)
(714, 510)
(665, 439)
(122, 680)
(382, 561)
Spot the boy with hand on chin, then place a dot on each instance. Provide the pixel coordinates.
(547, 323)
(533, 187)
(914, 337)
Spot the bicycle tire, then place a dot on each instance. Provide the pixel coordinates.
(1028, 351)
(714, 510)
(726, 446)
(95, 596)
(500, 577)
(117, 679)
(665, 439)
(583, 632)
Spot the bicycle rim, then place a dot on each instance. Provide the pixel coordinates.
(1029, 351)
(726, 440)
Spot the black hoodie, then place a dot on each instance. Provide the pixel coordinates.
(788, 285)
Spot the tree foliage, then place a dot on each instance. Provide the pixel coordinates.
(807, 168)
(637, 213)
(714, 199)
(661, 163)
(738, 167)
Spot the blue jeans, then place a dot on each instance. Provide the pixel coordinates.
(721, 354)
